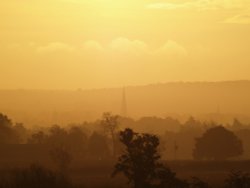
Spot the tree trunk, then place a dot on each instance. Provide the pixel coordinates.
(113, 140)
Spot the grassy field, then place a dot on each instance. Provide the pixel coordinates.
(94, 174)
(98, 174)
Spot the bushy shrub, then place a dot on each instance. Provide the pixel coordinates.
(238, 179)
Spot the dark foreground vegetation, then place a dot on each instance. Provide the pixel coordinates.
(98, 176)
(112, 156)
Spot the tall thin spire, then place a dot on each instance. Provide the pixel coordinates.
(124, 103)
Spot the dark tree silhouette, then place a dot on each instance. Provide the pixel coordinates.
(191, 123)
(217, 143)
(61, 156)
(140, 162)
(77, 139)
(110, 125)
(97, 146)
(7, 134)
(237, 179)
(21, 132)
(38, 138)
(198, 183)
(57, 136)
(5, 121)
(168, 179)
(74, 138)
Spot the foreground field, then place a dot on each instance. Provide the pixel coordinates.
(94, 174)
(98, 174)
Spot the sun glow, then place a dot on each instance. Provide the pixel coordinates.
(115, 8)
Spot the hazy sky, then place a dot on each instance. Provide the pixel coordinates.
(57, 44)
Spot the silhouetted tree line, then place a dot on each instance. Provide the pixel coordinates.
(74, 138)
(99, 140)
(98, 144)
(11, 133)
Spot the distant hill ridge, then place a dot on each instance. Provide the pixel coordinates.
(228, 82)
(160, 99)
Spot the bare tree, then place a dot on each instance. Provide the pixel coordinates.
(110, 125)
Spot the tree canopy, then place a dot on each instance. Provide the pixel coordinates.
(140, 162)
(217, 143)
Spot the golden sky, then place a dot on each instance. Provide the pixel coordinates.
(70, 44)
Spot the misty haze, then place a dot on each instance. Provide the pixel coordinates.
(124, 94)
